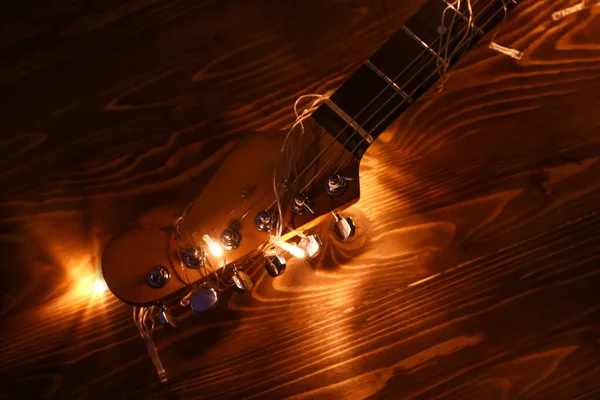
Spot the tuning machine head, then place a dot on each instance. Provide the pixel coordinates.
(204, 300)
(241, 281)
(301, 204)
(231, 239)
(337, 185)
(158, 276)
(265, 221)
(275, 265)
(194, 257)
(344, 226)
(165, 317)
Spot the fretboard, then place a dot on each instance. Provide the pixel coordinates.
(403, 69)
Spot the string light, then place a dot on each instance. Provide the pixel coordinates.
(310, 245)
(291, 248)
(214, 247)
(100, 286)
(290, 151)
(507, 51)
(513, 53)
(558, 15)
(90, 286)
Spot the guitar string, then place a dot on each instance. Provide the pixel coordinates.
(299, 120)
(470, 24)
(441, 72)
(306, 113)
(442, 68)
(279, 225)
(141, 315)
(461, 43)
(504, 8)
(376, 126)
(423, 52)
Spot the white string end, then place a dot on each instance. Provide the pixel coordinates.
(513, 53)
(558, 15)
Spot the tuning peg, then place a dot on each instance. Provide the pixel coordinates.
(275, 265)
(265, 221)
(336, 185)
(158, 276)
(194, 258)
(231, 239)
(344, 226)
(310, 245)
(204, 300)
(301, 204)
(241, 282)
(165, 317)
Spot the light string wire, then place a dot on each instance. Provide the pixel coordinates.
(513, 53)
(291, 152)
(423, 52)
(584, 5)
(461, 43)
(143, 316)
(465, 39)
(207, 267)
(144, 320)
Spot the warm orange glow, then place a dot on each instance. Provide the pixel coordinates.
(90, 286)
(310, 245)
(86, 280)
(291, 248)
(213, 246)
(100, 286)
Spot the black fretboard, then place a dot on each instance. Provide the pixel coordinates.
(403, 69)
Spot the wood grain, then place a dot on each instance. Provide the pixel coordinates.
(474, 271)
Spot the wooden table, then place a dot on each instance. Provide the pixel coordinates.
(475, 269)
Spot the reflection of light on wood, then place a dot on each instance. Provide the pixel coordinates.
(80, 303)
(87, 281)
(91, 286)
(100, 286)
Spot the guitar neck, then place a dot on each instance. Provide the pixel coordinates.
(405, 67)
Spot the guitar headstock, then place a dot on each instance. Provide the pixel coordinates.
(261, 202)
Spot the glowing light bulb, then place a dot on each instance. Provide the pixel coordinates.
(291, 248)
(213, 247)
(100, 286)
(310, 245)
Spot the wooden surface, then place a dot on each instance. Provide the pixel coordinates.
(114, 113)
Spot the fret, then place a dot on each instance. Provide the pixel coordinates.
(423, 44)
(339, 128)
(405, 68)
(389, 81)
(349, 121)
(398, 56)
(366, 100)
(362, 94)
